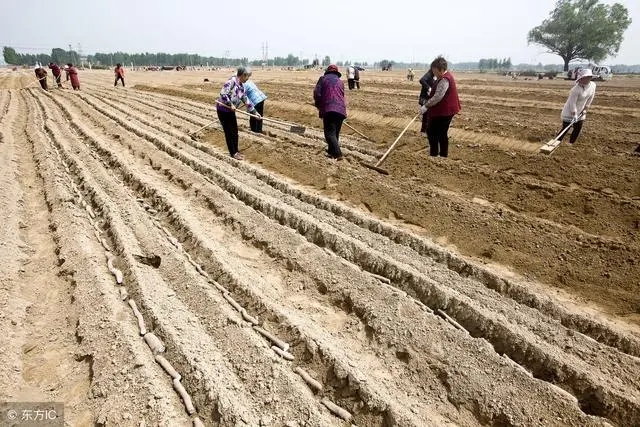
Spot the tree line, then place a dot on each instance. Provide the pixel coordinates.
(494, 64)
(146, 59)
(59, 56)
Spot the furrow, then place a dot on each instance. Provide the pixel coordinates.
(365, 402)
(547, 329)
(602, 333)
(5, 103)
(521, 345)
(218, 206)
(249, 362)
(498, 210)
(123, 378)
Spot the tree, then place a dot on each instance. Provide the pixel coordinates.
(326, 61)
(582, 29)
(10, 56)
(61, 56)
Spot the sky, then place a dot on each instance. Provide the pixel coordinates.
(352, 30)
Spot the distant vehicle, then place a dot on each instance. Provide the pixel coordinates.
(600, 73)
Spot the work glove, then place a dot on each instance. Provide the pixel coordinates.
(255, 113)
(423, 109)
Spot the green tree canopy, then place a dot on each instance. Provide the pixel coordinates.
(10, 55)
(582, 29)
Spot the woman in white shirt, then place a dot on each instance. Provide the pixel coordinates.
(580, 99)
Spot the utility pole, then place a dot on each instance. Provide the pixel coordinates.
(265, 53)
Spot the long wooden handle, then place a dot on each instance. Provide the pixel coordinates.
(573, 122)
(355, 130)
(257, 117)
(396, 141)
(203, 127)
(238, 111)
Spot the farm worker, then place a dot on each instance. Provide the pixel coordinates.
(231, 96)
(410, 74)
(426, 82)
(119, 72)
(580, 99)
(73, 76)
(356, 77)
(41, 75)
(328, 97)
(440, 108)
(257, 98)
(55, 70)
(351, 77)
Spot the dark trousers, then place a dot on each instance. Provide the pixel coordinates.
(332, 124)
(351, 83)
(43, 84)
(58, 80)
(357, 82)
(255, 124)
(230, 125)
(438, 135)
(575, 133)
(425, 123)
(119, 78)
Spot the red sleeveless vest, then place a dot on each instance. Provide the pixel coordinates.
(450, 104)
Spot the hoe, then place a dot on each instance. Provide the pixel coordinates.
(377, 167)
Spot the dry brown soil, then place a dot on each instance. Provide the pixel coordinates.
(496, 287)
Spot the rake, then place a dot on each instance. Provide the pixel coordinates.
(292, 128)
(377, 167)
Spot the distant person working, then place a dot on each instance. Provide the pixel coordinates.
(119, 73)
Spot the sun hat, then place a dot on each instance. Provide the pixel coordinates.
(584, 72)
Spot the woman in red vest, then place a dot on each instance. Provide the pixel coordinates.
(73, 75)
(440, 108)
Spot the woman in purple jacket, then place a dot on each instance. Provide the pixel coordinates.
(231, 96)
(329, 99)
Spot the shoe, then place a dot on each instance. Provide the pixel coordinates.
(338, 158)
(238, 156)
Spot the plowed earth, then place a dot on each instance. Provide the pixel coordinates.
(496, 287)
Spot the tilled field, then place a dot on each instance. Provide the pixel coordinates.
(295, 291)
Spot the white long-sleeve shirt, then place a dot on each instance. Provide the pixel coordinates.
(351, 72)
(580, 97)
